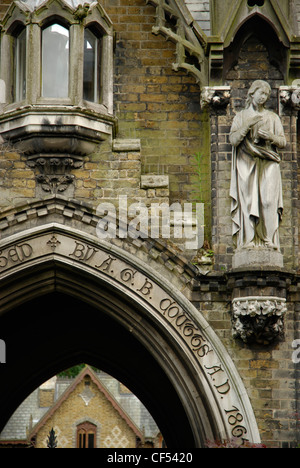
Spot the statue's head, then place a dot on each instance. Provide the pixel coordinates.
(257, 85)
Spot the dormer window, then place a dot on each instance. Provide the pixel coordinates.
(55, 61)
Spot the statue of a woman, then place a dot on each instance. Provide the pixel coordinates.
(256, 187)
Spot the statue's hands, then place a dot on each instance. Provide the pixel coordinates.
(254, 120)
(266, 135)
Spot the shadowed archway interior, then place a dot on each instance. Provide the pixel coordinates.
(56, 331)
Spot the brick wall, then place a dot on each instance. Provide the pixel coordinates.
(152, 103)
(200, 10)
(46, 398)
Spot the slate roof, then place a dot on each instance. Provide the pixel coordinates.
(87, 371)
(30, 415)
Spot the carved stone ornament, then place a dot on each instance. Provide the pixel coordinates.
(87, 395)
(55, 128)
(54, 172)
(216, 97)
(258, 319)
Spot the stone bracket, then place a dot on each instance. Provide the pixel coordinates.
(54, 173)
(258, 319)
(189, 39)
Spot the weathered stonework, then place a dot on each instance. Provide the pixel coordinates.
(258, 319)
(49, 247)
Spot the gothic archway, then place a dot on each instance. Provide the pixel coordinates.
(67, 297)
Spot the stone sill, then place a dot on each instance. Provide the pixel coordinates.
(54, 130)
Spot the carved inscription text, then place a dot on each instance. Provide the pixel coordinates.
(166, 309)
(15, 254)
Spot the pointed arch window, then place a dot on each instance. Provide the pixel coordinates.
(86, 435)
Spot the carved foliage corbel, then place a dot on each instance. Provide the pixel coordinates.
(190, 47)
(258, 319)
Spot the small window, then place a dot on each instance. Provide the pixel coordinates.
(20, 67)
(91, 67)
(86, 435)
(55, 62)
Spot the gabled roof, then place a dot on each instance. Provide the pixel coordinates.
(87, 371)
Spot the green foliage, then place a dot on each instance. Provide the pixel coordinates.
(74, 371)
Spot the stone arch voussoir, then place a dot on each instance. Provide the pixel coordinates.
(55, 257)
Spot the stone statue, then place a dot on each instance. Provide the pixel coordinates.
(256, 186)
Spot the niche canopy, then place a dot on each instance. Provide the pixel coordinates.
(56, 78)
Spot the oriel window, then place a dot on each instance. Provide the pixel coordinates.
(55, 61)
(20, 67)
(92, 67)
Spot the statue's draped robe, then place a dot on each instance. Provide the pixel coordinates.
(256, 186)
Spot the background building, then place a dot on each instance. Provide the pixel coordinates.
(92, 410)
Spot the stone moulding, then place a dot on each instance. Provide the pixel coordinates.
(258, 319)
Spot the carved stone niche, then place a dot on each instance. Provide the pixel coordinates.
(258, 319)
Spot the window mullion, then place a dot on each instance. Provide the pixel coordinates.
(33, 69)
(76, 63)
